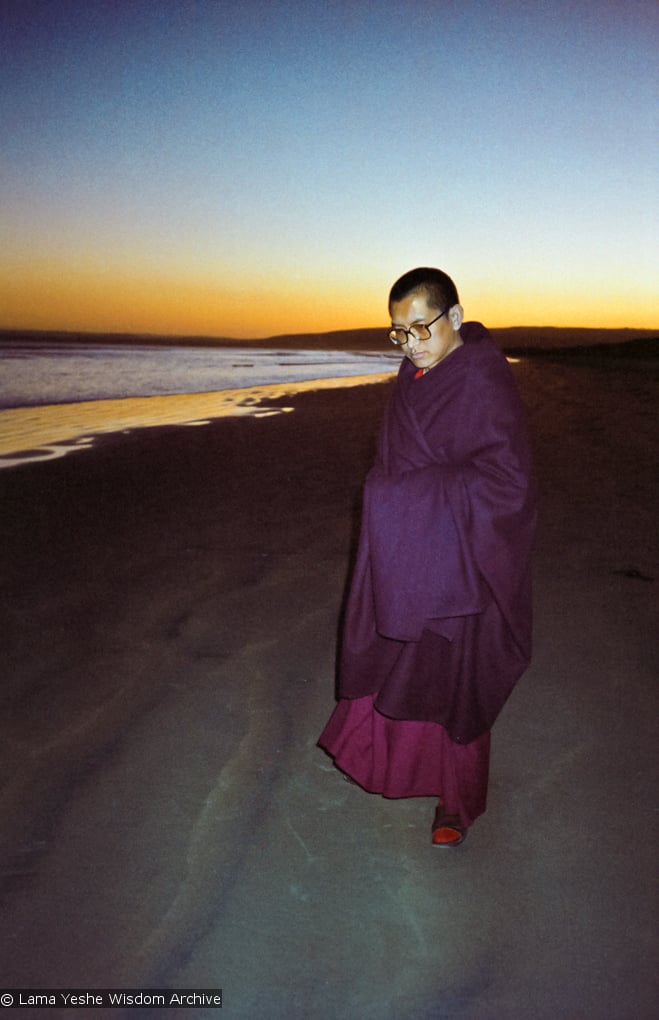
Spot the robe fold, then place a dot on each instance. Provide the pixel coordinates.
(438, 620)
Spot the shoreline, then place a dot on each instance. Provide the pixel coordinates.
(47, 431)
(42, 432)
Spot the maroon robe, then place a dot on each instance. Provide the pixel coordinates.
(438, 621)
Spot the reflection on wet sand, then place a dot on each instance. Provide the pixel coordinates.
(42, 433)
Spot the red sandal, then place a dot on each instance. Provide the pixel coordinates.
(447, 830)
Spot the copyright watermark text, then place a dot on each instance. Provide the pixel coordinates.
(111, 998)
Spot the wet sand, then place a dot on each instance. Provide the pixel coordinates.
(169, 610)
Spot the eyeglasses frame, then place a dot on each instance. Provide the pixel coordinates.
(409, 332)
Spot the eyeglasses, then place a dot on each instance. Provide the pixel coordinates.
(419, 331)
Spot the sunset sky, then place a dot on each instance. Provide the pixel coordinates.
(261, 167)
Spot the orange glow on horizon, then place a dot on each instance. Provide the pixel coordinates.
(261, 304)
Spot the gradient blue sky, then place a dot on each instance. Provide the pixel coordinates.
(200, 166)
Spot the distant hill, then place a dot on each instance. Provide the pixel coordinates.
(514, 340)
(521, 340)
(552, 340)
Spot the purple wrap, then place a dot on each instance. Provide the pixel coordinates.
(438, 622)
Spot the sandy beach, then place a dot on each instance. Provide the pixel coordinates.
(169, 610)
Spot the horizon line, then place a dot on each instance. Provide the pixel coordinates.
(319, 333)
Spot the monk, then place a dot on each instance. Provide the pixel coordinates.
(437, 628)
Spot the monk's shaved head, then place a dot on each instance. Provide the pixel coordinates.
(439, 288)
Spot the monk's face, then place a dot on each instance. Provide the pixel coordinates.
(444, 334)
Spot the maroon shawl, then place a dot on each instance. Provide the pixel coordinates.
(438, 622)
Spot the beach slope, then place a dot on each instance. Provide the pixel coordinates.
(170, 604)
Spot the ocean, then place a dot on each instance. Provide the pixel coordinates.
(55, 396)
(37, 372)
